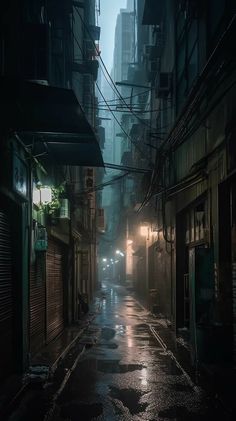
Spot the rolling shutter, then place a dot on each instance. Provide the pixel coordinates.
(6, 298)
(54, 289)
(37, 304)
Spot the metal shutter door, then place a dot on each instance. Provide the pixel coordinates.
(54, 289)
(6, 298)
(37, 304)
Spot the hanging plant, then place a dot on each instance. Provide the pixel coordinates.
(54, 205)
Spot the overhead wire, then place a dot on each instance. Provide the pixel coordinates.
(108, 106)
(102, 185)
(127, 97)
(127, 111)
(123, 130)
(106, 71)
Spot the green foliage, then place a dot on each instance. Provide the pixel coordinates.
(52, 207)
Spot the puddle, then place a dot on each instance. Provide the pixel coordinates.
(107, 333)
(108, 346)
(130, 399)
(75, 411)
(113, 366)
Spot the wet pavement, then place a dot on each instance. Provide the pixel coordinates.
(126, 373)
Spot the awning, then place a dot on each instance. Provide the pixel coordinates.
(53, 118)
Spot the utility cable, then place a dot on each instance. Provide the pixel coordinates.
(127, 97)
(108, 74)
(127, 111)
(126, 168)
(119, 124)
(102, 185)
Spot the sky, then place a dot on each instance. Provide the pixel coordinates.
(107, 21)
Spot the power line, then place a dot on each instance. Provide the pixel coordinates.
(136, 110)
(105, 68)
(127, 97)
(124, 131)
(105, 184)
(126, 168)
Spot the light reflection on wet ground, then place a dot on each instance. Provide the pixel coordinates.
(126, 375)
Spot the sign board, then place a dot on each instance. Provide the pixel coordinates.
(100, 220)
(20, 176)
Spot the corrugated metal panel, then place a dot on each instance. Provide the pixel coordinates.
(189, 153)
(37, 304)
(54, 289)
(6, 297)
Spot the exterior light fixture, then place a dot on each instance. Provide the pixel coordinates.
(36, 196)
(120, 253)
(42, 195)
(46, 194)
(104, 259)
(108, 266)
(144, 230)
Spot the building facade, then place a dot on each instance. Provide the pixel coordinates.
(188, 204)
(50, 155)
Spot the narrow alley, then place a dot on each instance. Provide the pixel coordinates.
(118, 210)
(127, 374)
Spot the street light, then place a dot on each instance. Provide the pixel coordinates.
(144, 230)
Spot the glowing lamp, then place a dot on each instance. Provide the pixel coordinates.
(144, 230)
(36, 196)
(46, 194)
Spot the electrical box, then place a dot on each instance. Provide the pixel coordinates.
(65, 209)
(41, 240)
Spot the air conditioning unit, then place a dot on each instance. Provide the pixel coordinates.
(153, 66)
(153, 70)
(147, 49)
(163, 84)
